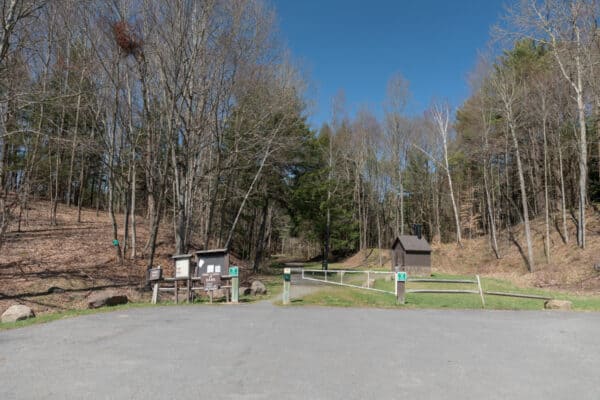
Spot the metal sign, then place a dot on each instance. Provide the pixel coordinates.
(234, 271)
(211, 281)
(400, 276)
(154, 274)
(287, 274)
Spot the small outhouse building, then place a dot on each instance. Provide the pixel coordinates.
(412, 254)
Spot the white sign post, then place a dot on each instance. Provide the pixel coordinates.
(287, 277)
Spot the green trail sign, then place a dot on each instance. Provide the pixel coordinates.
(234, 273)
(287, 281)
(400, 276)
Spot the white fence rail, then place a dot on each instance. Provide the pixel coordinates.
(354, 278)
(367, 280)
(351, 278)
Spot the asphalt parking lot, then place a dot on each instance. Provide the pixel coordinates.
(261, 351)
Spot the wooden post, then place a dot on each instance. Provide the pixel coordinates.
(176, 292)
(155, 293)
(480, 291)
(400, 287)
(189, 290)
(287, 278)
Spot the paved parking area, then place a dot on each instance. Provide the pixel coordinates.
(260, 351)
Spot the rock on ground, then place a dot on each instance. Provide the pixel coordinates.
(258, 287)
(218, 294)
(17, 312)
(106, 298)
(557, 305)
(244, 290)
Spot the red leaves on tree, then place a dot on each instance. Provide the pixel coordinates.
(126, 38)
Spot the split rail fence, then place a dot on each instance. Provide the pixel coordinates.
(368, 280)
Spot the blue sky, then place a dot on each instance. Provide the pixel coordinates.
(357, 45)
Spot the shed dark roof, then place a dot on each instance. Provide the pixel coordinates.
(211, 251)
(412, 243)
(178, 256)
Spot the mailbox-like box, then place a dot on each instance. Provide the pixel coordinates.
(212, 262)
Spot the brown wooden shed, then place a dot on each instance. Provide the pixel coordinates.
(411, 254)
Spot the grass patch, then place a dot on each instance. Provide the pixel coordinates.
(351, 297)
(273, 284)
(44, 318)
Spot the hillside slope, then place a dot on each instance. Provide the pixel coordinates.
(69, 259)
(568, 267)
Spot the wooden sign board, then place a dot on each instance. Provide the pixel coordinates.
(211, 281)
(182, 268)
(212, 262)
(155, 274)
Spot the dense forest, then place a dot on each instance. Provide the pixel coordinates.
(192, 115)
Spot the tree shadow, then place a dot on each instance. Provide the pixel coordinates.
(49, 233)
(514, 240)
(53, 289)
(43, 304)
(559, 230)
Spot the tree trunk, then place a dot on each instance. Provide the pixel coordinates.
(133, 205)
(582, 165)
(249, 191)
(260, 242)
(328, 221)
(530, 261)
(81, 187)
(74, 144)
(546, 201)
(491, 218)
(441, 117)
(563, 205)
